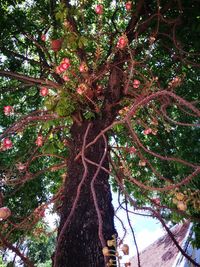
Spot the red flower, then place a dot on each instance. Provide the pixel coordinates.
(99, 9)
(136, 83)
(7, 110)
(7, 143)
(44, 91)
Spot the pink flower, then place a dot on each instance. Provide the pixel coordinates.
(20, 166)
(128, 6)
(58, 71)
(142, 163)
(8, 110)
(182, 205)
(99, 89)
(136, 83)
(43, 37)
(154, 132)
(122, 42)
(64, 66)
(99, 9)
(132, 150)
(156, 200)
(66, 78)
(4, 213)
(66, 60)
(83, 67)
(39, 141)
(147, 131)
(7, 143)
(82, 88)
(61, 68)
(44, 91)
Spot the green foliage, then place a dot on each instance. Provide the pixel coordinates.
(40, 249)
(196, 240)
(1, 262)
(45, 264)
(160, 49)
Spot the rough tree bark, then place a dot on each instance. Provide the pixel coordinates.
(78, 237)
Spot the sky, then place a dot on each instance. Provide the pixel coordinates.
(146, 229)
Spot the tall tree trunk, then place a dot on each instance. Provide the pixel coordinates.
(80, 239)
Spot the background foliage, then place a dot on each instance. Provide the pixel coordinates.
(162, 53)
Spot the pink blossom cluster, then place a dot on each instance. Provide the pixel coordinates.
(8, 110)
(99, 9)
(44, 91)
(136, 84)
(64, 65)
(7, 144)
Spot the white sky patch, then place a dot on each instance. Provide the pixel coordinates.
(146, 229)
(51, 218)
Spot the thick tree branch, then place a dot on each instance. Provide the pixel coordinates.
(28, 79)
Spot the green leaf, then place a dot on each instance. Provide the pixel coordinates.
(49, 148)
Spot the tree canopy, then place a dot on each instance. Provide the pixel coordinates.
(97, 94)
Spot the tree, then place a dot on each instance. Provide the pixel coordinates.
(40, 249)
(94, 94)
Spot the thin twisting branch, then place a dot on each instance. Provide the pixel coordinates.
(135, 137)
(133, 234)
(16, 251)
(92, 186)
(156, 214)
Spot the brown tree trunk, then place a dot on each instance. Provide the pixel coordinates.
(78, 238)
